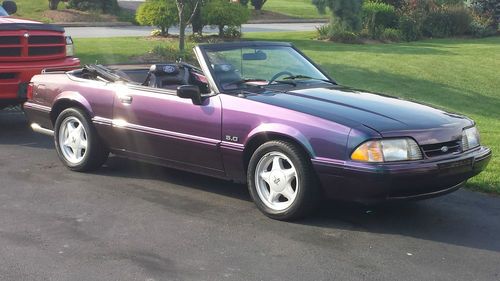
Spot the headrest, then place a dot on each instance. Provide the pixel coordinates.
(164, 69)
(223, 67)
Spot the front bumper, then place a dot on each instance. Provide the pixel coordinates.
(15, 76)
(366, 182)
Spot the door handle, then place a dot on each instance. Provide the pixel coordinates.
(125, 99)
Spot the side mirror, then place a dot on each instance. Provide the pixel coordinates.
(190, 92)
(10, 7)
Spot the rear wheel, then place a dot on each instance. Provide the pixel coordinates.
(281, 181)
(77, 143)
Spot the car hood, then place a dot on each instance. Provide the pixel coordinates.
(352, 108)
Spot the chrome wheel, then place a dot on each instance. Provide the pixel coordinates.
(276, 181)
(73, 140)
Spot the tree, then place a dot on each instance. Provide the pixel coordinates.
(224, 13)
(258, 4)
(345, 13)
(53, 4)
(159, 13)
(186, 10)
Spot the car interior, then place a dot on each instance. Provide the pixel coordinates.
(163, 76)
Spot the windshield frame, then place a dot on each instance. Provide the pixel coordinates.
(209, 72)
(3, 12)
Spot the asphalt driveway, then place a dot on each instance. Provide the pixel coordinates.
(131, 221)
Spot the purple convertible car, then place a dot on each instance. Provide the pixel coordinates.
(260, 113)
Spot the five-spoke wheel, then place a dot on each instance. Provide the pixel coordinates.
(276, 180)
(77, 143)
(73, 140)
(281, 181)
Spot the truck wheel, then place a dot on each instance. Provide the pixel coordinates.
(281, 181)
(77, 143)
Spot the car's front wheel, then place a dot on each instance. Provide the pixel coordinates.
(281, 181)
(77, 143)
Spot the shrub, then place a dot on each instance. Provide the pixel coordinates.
(222, 13)
(106, 6)
(395, 3)
(447, 21)
(481, 27)
(338, 33)
(390, 35)
(232, 32)
(409, 29)
(170, 53)
(160, 13)
(323, 31)
(345, 13)
(378, 16)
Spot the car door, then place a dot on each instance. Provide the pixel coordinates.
(159, 126)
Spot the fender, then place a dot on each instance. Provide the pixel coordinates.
(74, 98)
(282, 130)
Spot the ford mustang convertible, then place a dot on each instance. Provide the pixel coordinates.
(260, 113)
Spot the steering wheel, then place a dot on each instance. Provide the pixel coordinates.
(278, 75)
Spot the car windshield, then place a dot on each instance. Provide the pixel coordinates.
(3, 12)
(244, 67)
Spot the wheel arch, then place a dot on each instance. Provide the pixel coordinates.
(67, 100)
(260, 137)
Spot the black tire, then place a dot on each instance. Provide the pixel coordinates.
(96, 153)
(308, 194)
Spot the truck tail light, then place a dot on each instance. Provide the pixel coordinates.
(70, 47)
(29, 91)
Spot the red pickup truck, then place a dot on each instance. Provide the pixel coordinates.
(26, 48)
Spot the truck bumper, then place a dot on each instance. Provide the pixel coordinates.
(15, 76)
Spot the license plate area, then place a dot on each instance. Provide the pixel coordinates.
(459, 165)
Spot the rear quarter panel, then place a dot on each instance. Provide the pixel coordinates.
(51, 90)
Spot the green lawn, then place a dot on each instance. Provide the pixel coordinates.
(460, 75)
(33, 9)
(294, 8)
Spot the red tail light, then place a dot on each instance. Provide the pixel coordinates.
(29, 92)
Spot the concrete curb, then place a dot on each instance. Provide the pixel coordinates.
(93, 24)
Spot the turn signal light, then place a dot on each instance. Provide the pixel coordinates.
(29, 91)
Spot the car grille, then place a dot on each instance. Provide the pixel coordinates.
(440, 149)
(19, 48)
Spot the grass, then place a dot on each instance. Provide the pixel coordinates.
(34, 9)
(460, 75)
(294, 8)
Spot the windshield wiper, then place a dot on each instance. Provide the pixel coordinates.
(293, 77)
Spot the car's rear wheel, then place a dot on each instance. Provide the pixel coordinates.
(281, 181)
(77, 143)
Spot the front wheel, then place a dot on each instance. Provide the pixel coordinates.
(77, 143)
(281, 181)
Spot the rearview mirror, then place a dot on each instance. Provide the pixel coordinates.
(258, 55)
(10, 7)
(190, 92)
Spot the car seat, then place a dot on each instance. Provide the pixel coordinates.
(167, 76)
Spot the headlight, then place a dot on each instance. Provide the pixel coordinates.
(387, 151)
(70, 48)
(470, 138)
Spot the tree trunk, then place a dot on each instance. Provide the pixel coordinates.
(182, 30)
(53, 4)
(221, 31)
(197, 22)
